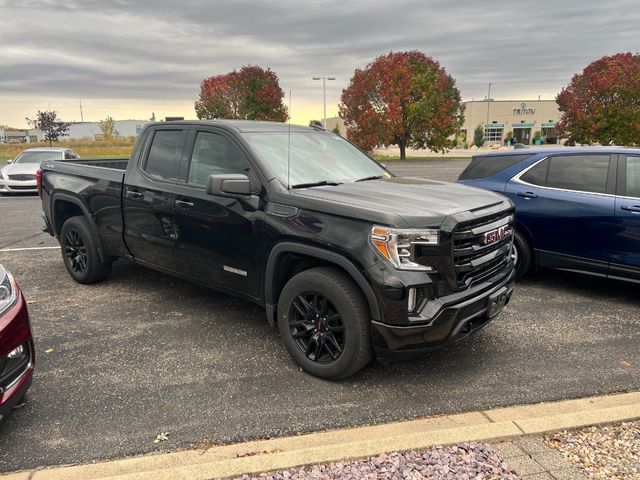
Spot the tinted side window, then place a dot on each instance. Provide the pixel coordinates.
(633, 177)
(538, 174)
(584, 173)
(215, 154)
(482, 167)
(68, 155)
(162, 161)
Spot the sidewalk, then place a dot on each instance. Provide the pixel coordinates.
(514, 424)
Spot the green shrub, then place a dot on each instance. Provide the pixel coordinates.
(478, 136)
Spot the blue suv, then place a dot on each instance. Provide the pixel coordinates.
(577, 209)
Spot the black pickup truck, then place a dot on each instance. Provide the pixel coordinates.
(348, 260)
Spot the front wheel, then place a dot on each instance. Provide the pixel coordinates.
(323, 320)
(523, 256)
(80, 252)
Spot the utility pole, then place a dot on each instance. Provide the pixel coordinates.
(324, 96)
(81, 115)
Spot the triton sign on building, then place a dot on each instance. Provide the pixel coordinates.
(524, 121)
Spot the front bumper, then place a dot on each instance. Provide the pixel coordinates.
(15, 330)
(17, 186)
(455, 317)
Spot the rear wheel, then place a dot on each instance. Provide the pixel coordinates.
(323, 320)
(80, 252)
(523, 255)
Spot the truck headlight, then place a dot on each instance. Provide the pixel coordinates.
(8, 290)
(399, 245)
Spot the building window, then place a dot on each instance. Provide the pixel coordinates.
(493, 134)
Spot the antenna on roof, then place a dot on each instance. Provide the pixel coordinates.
(289, 147)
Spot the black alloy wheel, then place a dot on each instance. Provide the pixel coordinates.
(324, 323)
(79, 248)
(76, 251)
(317, 328)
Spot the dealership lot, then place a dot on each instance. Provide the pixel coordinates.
(143, 353)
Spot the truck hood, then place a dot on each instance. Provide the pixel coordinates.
(417, 202)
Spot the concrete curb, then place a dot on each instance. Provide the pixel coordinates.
(325, 447)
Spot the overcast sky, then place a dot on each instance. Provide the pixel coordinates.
(128, 59)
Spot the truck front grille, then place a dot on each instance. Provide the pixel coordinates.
(477, 255)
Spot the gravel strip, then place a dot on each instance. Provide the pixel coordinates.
(602, 452)
(467, 461)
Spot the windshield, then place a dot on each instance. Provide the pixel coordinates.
(36, 157)
(316, 157)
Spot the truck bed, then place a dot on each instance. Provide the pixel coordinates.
(117, 163)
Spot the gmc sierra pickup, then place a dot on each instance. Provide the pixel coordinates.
(348, 260)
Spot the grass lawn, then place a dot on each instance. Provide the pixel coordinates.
(117, 147)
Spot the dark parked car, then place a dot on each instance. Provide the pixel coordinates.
(577, 209)
(343, 256)
(17, 356)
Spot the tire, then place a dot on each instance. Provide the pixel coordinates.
(80, 252)
(346, 319)
(524, 255)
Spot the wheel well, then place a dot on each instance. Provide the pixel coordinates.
(529, 238)
(62, 211)
(290, 264)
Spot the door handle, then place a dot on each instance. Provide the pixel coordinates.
(184, 204)
(631, 208)
(134, 194)
(528, 194)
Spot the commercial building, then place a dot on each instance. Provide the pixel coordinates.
(523, 121)
(21, 136)
(123, 128)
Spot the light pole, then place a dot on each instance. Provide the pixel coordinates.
(324, 95)
(488, 100)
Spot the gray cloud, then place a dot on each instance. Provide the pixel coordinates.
(161, 50)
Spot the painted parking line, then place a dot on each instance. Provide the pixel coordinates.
(24, 249)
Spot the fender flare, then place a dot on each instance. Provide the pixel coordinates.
(319, 253)
(92, 224)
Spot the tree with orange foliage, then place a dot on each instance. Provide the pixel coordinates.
(252, 93)
(602, 104)
(405, 99)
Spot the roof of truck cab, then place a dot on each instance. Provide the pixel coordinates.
(557, 150)
(246, 126)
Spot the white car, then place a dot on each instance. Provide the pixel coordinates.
(20, 173)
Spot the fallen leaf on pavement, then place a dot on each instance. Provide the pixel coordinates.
(162, 437)
(624, 364)
(48, 350)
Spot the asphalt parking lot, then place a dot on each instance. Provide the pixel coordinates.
(143, 353)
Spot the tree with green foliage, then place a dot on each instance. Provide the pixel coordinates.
(336, 129)
(48, 122)
(108, 127)
(602, 104)
(252, 93)
(405, 99)
(478, 136)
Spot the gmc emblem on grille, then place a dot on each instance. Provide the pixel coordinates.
(494, 235)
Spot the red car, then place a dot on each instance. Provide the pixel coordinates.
(17, 356)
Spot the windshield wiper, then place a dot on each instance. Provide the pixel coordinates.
(319, 183)
(372, 177)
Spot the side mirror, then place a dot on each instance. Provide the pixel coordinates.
(229, 185)
(10, 160)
